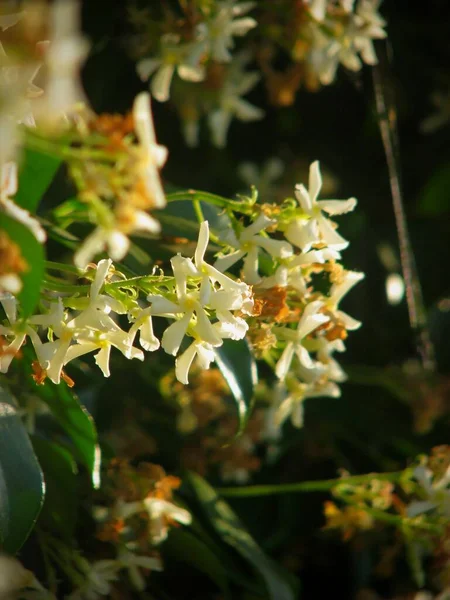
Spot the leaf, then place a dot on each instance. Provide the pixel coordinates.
(60, 505)
(238, 367)
(233, 532)
(184, 546)
(76, 422)
(434, 199)
(37, 171)
(21, 481)
(179, 219)
(33, 253)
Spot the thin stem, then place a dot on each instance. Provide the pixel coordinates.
(63, 267)
(387, 119)
(303, 486)
(33, 142)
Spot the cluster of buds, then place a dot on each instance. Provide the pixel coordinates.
(196, 47)
(117, 178)
(417, 504)
(207, 423)
(338, 32)
(136, 514)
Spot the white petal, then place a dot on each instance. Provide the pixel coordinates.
(100, 275)
(337, 207)
(276, 248)
(205, 330)
(174, 334)
(330, 236)
(284, 363)
(202, 244)
(302, 195)
(303, 234)
(147, 338)
(250, 269)
(147, 67)
(349, 322)
(161, 82)
(183, 363)
(162, 306)
(102, 359)
(223, 263)
(315, 181)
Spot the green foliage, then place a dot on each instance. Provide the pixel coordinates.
(61, 501)
(21, 481)
(239, 369)
(37, 171)
(232, 531)
(76, 422)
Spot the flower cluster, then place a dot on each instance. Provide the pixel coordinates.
(118, 178)
(210, 80)
(135, 516)
(340, 32)
(204, 304)
(27, 54)
(291, 321)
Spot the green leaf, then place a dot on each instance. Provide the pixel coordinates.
(33, 254)
(21, 481)
(185, 547)
(60, 505)
(35, 176)
(76, 422)
(233, 532)
(238, 367)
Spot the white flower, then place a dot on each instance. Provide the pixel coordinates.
(205, 356)
(237, 83)
(92, 329)
(290, 400)
(14, 577)
(174, 56)
(343, 38)
(8, 188)
(15, 329)
(248, 245)
(310, 320)
(160, 512)
(290, 271)
(134, 563)
(64, 55)
(102, 238)
(99, 576)
(314, 228)
(155, 155)
(436, 493)
(150, 157)
(218, 31)
(144, 325)
(337, 292)
(190, 308)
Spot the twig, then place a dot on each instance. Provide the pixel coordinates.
(387, 120)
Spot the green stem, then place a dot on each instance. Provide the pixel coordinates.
(195, 195)
(44, 146)
(63, 267)
(303, 486)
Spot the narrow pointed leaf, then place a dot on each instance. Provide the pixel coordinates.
(232, 531)
(238, 367)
